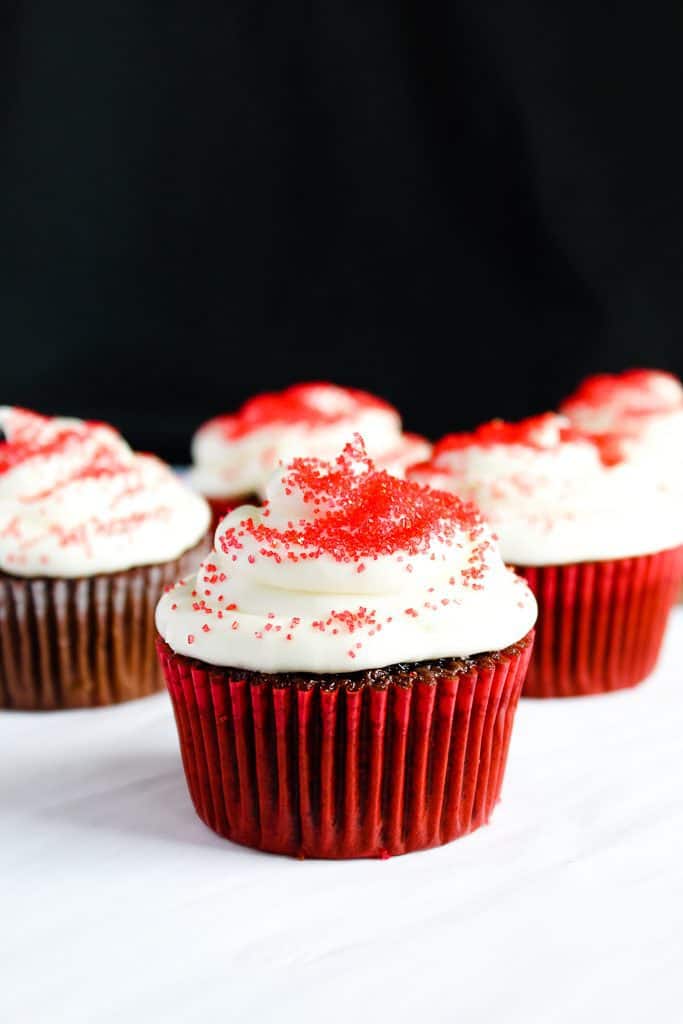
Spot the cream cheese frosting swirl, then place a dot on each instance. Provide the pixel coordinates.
(344, 568)
(555, 496)
(235, 456)
(635, 415)
(76, 501)
(624, 403)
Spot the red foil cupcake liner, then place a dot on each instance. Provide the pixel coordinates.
(600, 624)
(80, 643)
(388, 762)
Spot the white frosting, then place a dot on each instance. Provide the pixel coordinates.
(295, 604)
(76, 501)
(554, 501)
(641, 411)
(625, 402)
(235, 456)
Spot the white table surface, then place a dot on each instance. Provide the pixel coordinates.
(117, 904)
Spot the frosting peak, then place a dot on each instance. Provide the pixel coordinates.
(351, 512)
(623, 402)
(635, 416)
(235, 455)
(347, 567)
(311, 405)
(76, 501)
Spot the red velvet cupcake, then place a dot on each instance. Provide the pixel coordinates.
(90, 534)
(235, 455)
(638, 413)
(593, 531)
(345, 667)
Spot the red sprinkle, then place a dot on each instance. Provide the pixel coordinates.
(529, 432)
(363, 514)
(633, 390)
(307, 405)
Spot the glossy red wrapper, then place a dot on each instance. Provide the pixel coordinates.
(371, 766)
(86, 642)
(600, 624)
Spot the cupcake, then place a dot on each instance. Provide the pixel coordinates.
(346, 665)
(234, 456)
(597, 540)
(637, 415)
(90, 534)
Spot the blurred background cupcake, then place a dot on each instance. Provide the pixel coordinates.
(234, 455)
(636, 414)
(90, 534)
(346, 664)
(592, 530)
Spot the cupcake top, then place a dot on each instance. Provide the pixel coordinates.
(76, 501)
(636, 416)
(235, 455)
(344, 568)
(554, 495)
(629, 403)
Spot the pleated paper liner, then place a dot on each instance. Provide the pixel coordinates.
(384, 763)
(600, 624)
(221, 506)
(79, 643)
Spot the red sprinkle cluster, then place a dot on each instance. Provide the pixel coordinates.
(528, 432)
(31, 437)
(632, 388)
(296, 405)
(356, 515)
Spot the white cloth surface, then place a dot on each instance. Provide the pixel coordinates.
(117, 904)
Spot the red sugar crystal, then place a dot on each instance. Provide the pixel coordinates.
(366, 513)
(633, 390)
(529, 432)
(31, 436)
(298, 405)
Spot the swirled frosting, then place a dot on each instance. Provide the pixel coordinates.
(624, 403)
(635, 415)
(76, 501)
(554, 495)
(235, 455)
(346, 567)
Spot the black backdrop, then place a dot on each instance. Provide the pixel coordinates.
(462, 206)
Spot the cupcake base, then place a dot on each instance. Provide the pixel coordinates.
(600, 624)
(87, 642)
(372, 765)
